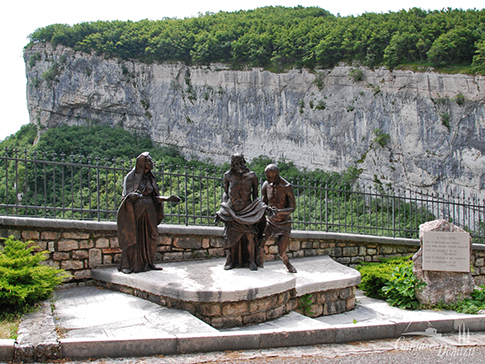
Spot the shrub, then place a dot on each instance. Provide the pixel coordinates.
(24, 281)
(376, 275)
(401, 289)
(471, 305)
(356, 75)
(445, 120)
(381, 138)
(321, 105)
(475, 303)
(459, 99)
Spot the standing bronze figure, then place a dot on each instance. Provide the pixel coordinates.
(242, 213)
(140, 212)
(278, 194)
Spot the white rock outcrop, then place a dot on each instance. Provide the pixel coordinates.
(415, 130)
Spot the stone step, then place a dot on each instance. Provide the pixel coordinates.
(240, 297)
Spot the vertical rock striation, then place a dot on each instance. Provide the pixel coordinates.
(415, 130)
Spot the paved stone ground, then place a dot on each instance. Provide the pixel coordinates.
(452, 348)
(89, 313)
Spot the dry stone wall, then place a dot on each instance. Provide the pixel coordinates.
(78, 246)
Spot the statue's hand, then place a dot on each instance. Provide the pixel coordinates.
(174, 199)
(271, 211)
(217, 220)
(135, 195)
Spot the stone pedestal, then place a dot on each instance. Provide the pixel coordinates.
(241, 297)
(441, 286)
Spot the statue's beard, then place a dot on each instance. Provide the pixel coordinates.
(241, 170)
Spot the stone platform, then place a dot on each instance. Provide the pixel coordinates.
(240, 296)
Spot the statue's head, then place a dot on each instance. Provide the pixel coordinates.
(238, 163)
(272, 173)
(144, 162)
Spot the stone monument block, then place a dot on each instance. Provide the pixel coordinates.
(443, 263)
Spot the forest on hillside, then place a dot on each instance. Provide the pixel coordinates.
(105, 144)
(277, 38)
(76, 172)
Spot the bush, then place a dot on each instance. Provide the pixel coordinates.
(401, 289)
(471, 305)
(376, 275)
(356, 75)
(24, 281)
(459, 99)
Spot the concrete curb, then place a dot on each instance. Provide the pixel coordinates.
(190, 343)
(246, 339)
(7, 347)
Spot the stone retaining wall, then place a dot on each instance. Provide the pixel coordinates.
(79, 246)
(248, 312)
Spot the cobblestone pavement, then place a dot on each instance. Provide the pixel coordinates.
(450, 348)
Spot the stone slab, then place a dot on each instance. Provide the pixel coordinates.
(190, 343)
(207, 281)
(114, 348)
(317, 274)
(374, 319)
(89, 312)
(202, 281)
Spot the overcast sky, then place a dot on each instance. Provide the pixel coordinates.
(21, 17)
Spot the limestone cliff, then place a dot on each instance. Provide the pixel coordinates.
(416, 130)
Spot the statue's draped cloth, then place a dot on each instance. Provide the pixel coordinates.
(278, 228)
(137, 221)
(237, 224)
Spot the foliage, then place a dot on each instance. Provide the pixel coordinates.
(34, 58)
(24, 281)
(471, 305)
(89, 185)
(22, 139)
(90, 180)
(356, 75)
(401, 288)
(381, 138)
(321, 105)
(306, 302)
(279, 37)
(374, 276)
(393, 280)
(459, 99)
(478, 64)
(445, 119)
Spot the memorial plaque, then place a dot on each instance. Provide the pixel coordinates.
(446, 251)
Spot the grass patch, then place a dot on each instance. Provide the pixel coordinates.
(9, 325)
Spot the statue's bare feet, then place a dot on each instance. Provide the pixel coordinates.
(253, 266)
(229, 266)
(126, 270)
(154, 267)
(290, 267)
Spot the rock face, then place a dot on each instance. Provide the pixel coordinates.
(416, 130)
(441, 286)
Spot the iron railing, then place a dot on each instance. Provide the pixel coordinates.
(85, 188)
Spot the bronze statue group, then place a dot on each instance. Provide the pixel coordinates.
(249, 221)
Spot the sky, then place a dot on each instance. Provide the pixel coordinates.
(20, 18)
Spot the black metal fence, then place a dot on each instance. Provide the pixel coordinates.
(85, 188)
